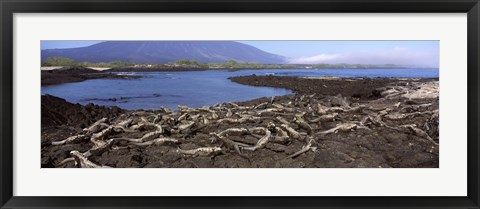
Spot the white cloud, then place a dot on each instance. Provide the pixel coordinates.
(396, 55)
(321, 58)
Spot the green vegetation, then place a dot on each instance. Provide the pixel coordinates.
(246, 65)
(184, 63)
(188, 63)
(58, 61)
(63, 61)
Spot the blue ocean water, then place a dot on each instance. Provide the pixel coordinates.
(199, 88)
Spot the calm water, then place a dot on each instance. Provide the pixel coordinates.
(198, 88)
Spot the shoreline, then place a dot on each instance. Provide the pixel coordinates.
(358, 88)
(60, 75)
(77, 74)
(348, 123)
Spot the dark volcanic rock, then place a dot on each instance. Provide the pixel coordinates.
(76, 74)
(73, 70)
(57, 111)
(382, 137)
(362, 88)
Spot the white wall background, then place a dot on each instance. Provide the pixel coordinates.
(448, 180)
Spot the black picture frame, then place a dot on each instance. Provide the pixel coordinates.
(10, 7)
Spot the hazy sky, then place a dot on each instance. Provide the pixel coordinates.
(66, 44)
(417, 53)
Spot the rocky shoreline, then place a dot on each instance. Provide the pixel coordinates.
(77, 74)
(329, 122)
(356, 88)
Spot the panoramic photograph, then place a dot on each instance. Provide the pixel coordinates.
(239, 104)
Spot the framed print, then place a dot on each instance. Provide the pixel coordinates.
(196, 104)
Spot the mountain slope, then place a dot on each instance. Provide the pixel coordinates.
(157, 52)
